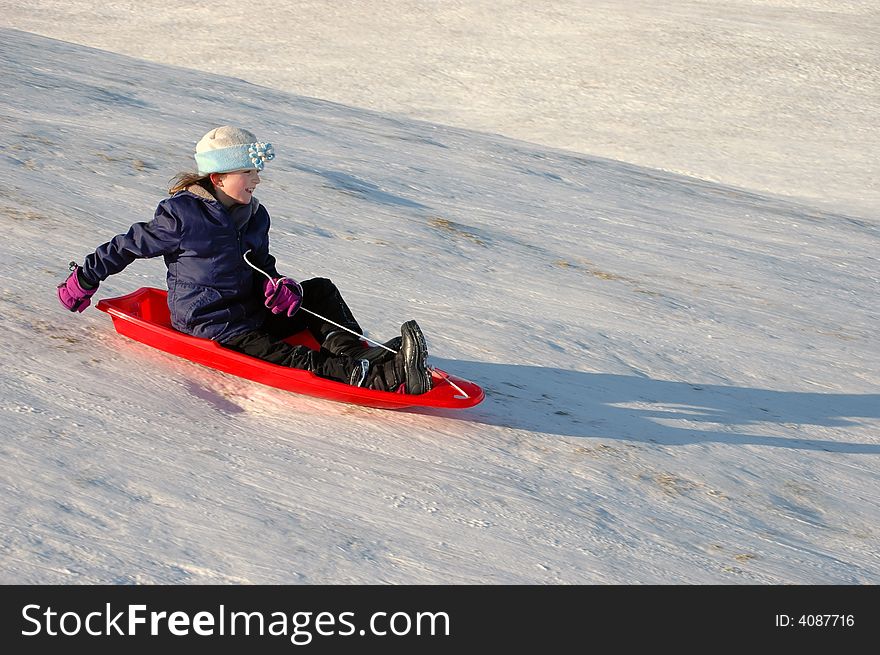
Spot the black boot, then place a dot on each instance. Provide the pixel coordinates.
(344, 343)
(409, 367)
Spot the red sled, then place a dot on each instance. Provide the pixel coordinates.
(143, 316)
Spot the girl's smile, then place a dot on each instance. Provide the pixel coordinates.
(235, 188)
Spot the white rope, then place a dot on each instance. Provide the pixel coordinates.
(442, 374)
(445, 376)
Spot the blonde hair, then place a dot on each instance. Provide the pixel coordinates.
(183, 180)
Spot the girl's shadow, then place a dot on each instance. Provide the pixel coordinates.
(605, 406)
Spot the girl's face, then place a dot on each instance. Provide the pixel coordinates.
(238, 186)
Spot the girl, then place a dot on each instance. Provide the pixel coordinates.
(214, 236)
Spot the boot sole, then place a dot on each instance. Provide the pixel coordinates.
(415, 354)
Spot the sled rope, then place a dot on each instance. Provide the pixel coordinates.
(445, 376)
(442, 374)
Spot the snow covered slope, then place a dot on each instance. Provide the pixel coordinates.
(683, 378)
(780, 96)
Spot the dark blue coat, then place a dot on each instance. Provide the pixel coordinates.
(212, 292)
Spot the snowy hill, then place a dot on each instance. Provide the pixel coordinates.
(683, 378)
(778, 96)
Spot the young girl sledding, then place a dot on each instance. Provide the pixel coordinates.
(223, 285)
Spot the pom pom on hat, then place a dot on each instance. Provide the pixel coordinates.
(229, 148)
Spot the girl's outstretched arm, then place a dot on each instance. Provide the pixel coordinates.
(161, 236)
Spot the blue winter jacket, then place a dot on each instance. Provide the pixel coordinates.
(212, 292)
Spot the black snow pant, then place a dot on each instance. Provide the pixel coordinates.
(321, 296)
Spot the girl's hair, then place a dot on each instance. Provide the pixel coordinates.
(182, 180)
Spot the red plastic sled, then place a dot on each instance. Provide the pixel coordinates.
(143, 316)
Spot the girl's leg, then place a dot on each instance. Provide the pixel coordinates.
(321, 296)
(407, 368)
(265, 346)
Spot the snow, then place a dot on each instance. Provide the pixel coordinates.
(682, 372)
(777, 96)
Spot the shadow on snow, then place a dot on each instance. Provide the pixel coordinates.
(606, 406)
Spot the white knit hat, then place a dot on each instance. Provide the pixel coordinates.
(228, 148)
